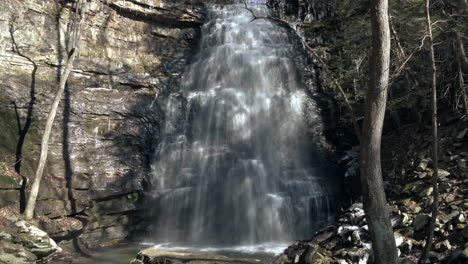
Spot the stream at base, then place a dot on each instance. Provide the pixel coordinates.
(124, 254)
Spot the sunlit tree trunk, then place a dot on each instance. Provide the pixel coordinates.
(72, 53)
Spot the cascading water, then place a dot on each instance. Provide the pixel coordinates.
(238, 164)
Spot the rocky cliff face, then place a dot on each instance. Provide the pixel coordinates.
(104, 135)
(304, 10)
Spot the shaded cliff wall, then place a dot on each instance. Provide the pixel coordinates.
(104, 134)
(304, 10)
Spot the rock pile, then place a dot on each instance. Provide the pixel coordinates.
(407, 173)
(22, 242)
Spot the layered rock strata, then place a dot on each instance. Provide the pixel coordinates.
(108, 123)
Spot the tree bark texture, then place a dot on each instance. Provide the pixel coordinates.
(374, 200)
(75, 37)
(462, 68)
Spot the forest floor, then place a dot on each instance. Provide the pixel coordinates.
(407, 169)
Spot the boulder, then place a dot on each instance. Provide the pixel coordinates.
(23, 242)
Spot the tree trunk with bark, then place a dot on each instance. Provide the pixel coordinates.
(374, 200)
(462, 68)
(72, 53)
(435, 156)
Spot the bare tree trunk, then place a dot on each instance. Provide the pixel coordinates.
(461, 53)
(375, 203)
(435, 161)
(75, 37)
(462, 68)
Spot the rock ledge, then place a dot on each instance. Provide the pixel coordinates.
(153, 256)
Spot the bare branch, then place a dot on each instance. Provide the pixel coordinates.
(422, 42)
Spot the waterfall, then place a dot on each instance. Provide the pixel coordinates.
(239, 164)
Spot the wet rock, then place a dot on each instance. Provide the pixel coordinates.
(330, 245)
(150, 256)
(323, 236)
(279, 260)
(356, 255)
(346, 229)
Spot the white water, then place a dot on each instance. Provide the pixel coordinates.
(267, 248)
(238, 167)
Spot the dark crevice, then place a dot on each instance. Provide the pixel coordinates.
(112, 197)
(161, 36)
(127, 212)
(134, 86)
